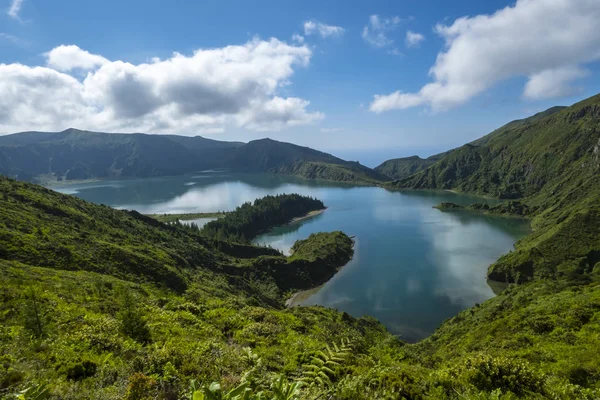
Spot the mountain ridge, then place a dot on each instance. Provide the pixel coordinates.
(74, 154)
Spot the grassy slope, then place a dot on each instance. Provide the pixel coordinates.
(226, 297)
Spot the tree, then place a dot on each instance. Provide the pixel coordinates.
(132, 320)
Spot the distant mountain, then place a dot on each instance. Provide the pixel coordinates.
(399, 168)
(75, 155)
(266, 155)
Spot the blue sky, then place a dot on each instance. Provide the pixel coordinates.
(110, 66)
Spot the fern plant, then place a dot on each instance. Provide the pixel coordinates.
(36, 392)
(321, 370)
(281, 390)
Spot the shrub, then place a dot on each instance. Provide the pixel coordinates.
(77, 370)
(141, 387)
(34, 317)
(489, 373)
(133, 323)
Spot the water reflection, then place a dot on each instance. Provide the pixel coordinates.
(414, 265)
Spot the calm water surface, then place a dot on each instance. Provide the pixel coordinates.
(414, 266)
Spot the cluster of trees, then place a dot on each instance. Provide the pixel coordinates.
(249, 220)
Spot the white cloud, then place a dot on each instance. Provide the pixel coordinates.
(298, 38)
(375, 33)
(413, 39)
(542, 40)
(321, 29)
(203, 92)
(14, 9)
(67, 58)
(553, 83)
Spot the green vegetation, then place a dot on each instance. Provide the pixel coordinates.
(350, 172)
(399, 168)
(252, 219)
(445, 206)
(47, 157)
(106, 304)
(550, 162)
(508, 208)
(171, 218)
(71, 329)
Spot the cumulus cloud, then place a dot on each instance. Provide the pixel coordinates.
(67, 58)
(202, 92)
(298, 38)
(413, 39)
(14, 9)
(553, 83)
(546, 41)
(376, 32)
(321, 29)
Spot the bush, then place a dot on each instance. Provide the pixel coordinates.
(140, 387)
(78, 370)
(34, 317)
(489, 373)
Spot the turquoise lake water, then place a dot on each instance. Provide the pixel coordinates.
(414, 266)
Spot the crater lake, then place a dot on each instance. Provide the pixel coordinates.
(413, 267)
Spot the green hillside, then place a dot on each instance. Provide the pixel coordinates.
(551, 163)
(105, 304)
(46, 157)
(398, 168)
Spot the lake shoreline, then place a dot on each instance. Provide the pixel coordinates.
(167, 217)
(307, 293)
(385, 219)
(307, 216)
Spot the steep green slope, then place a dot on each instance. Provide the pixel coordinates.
(551, 325)
(76, 155)
(518, 159)
(44, 228)
(398, 168)
(551, 162)
(517, 123)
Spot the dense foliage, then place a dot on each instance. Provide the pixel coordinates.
(77, 155)
(250, 219)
